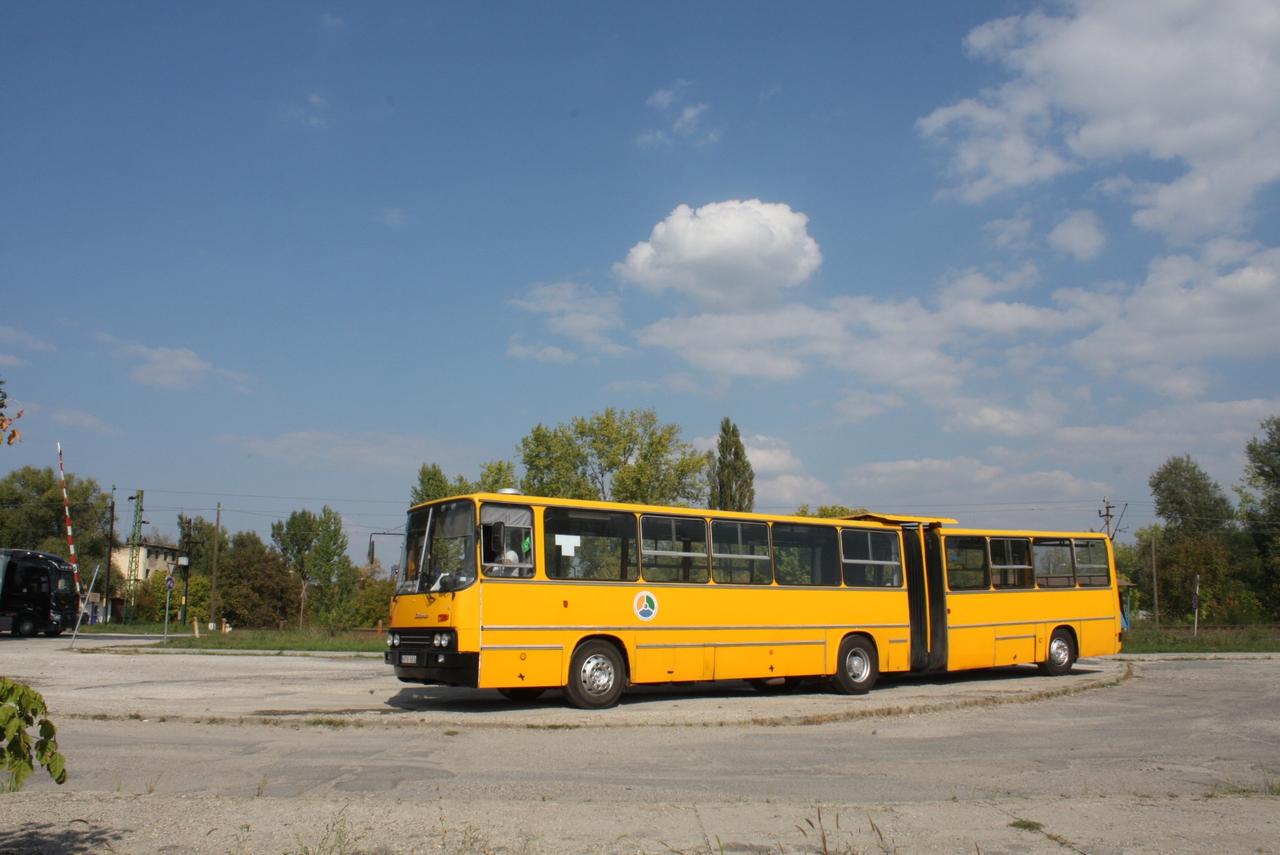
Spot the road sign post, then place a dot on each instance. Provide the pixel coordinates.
(168, 592)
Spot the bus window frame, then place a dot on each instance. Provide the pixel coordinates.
(686, 557)
(549, 544)
(1001, 569)
(773, 551)
(767, 557)
(986, 564)
(845, 561)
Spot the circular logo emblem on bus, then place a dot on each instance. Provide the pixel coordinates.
(646, 605)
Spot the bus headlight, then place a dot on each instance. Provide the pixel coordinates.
(393, 639)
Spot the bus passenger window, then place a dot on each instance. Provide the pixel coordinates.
(871, 559)
(967, 563)
(740, 553)
(1011, 562)
(1092, 569)
(594, 545)
(1052, 559)
(805, 555)
(673, 549)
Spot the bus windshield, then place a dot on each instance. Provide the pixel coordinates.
(440, 552)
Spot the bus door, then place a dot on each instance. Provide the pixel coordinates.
(926, 598)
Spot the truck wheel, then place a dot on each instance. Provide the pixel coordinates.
(24, 626)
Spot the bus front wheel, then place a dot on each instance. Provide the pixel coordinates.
(857, 668)
(1062, 654)
(595, 676)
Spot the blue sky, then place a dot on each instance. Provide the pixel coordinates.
(991, 260)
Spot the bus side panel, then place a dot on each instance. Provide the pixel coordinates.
(970, 631)
(1100, 637)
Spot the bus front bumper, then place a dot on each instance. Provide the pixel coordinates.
(424, 664)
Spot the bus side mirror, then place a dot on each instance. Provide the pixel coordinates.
(497, 538)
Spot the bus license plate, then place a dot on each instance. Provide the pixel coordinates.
(408, 659)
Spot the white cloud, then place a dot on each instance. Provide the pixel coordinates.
(174, 368)
(539, 353)
(725, 253)
(579, 314)
(18, 338)
(312, 111)
(1188, 83)
(1187, 311)
(69, 417)
(982, 493)
(393, 217)
(325, 450)
(859, 406)
(1011, 233)
(1079, 235)
(687, 122)
(662, 99)
(331, 21)
(10, 361)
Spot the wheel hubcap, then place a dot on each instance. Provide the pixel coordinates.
(1059, 651)
(857, 666)
(597, 674)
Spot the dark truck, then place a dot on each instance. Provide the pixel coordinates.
(39, 592)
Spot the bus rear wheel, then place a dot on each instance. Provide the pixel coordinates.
(521, 693)
(857, 667)
(1062, 654)
(595, 676)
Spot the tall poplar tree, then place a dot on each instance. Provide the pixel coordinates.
(733, 481)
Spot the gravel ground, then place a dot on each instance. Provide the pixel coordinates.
(184, 753)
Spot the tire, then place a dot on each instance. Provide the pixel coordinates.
(1062, 654)
(24, 626)
(596, 676)
(521, 693)
(857, 667)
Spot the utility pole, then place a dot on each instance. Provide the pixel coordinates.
(1105, 514)
(184, 561)
(213, 571)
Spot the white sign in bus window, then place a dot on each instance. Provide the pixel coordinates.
(568, 543)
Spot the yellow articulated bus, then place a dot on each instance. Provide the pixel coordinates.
(523, 594)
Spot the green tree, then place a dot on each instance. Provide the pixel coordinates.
(1187, 499)
(622, 456)
(732, 478)
(31, 514)
(199, 543)
(1260, 509)
(21, 708)
(432, 484)
(496, 475)
(834, 511)
(255, 588)
(294, 539)
(333, 576)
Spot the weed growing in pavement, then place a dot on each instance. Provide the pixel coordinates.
(1268, 789)
(1038, 828)
(336, 839)
(262, 788)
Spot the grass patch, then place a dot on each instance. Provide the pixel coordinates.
(1218, 639)
(280, 641)
(130, 628)
(1269, 789)
(1027, 825)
